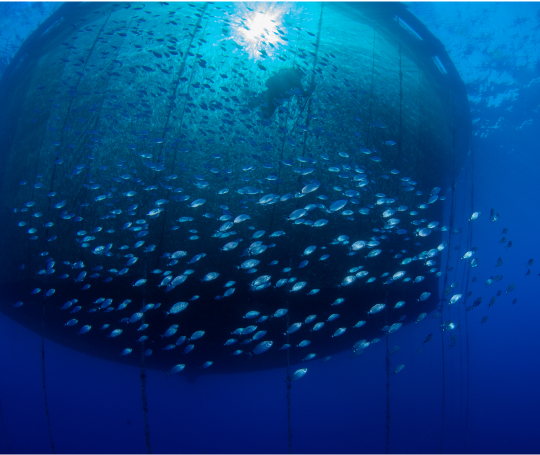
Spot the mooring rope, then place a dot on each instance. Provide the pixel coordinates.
(466, 320)
(145, 401)
(143, 376)
(451, 229)
(288, 381)
(4, 428)
(387, 380)
(371, 94)
(43, 377)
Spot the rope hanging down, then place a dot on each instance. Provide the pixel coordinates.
(4, 428)
(143, 379)
(288, 381)
(451, 222)
(43, 377)
(387, 380)
(466, 321)
(311, 88)
(144, 401)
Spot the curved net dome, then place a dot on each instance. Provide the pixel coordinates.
(150, 150)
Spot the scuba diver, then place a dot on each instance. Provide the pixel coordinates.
(285, 80)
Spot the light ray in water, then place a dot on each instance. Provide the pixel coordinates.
(258, 28)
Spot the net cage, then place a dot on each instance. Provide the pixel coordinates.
(117, 117)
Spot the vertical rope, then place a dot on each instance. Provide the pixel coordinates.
(181, 120)
(451, 222)
(466, 320)
(451, 389)
(459, 263)
(289, 427)
(387, 397)
(387, 380)
(83, 139)
(181, 70)
(371, 93)
(443, 384)
(460, 305)
(43, 377)
(285, 123)
(288, 381)
(467, 385)
(143, 377)
(312, 81)
(145, 401)
(464, 279)
(4, 428)
(69, 106)
(386, 298)
(400, 92)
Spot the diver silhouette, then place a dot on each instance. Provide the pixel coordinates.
(285, 80)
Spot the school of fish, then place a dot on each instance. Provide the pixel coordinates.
(163, 197)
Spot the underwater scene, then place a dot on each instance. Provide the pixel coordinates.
(269, 227)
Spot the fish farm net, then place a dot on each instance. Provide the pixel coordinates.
(150, 150)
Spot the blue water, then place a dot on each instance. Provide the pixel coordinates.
(490, 394)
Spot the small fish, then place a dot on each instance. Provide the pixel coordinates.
(318, 326)
(196, 335)
(176, 369)
(210, 276)
(262, 347)
(298, 374)
(376, 308)
(298, 286)
(115, 333)
(85, 329)
(293, 328)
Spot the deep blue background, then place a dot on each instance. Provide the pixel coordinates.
(340, 406)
